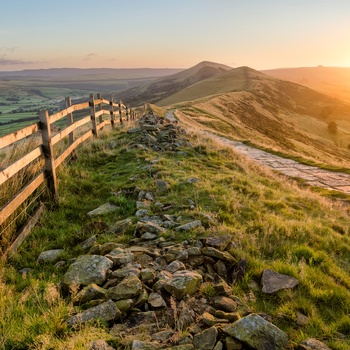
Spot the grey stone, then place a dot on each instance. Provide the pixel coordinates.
(147, 236)
(141, 345)
(182, 283)
(218, 254)
(156, 300)
(124, 305)
(87, 269)
(312, 344)
(88, 243)
(205, 340)
(106, 311)
(148, 275)
(176, 254)
(122, 226)
(232, 344)
(129, 287)
(193, 251)
(219, 346)
(108, 247)
(174, 266)
(218, 242)
(103, 209)
(100, 344)
(247, 328)
(50, 256)
(162, 186)
(272, 281)
(189, 226)
(141, 213)
(125, 271)
(163, 336)
(224, 303)
(148, 226)
(211, 320)
(120, 257)
(91, 292)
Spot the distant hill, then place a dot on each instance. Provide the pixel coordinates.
(333, 81)
(166, 86)
(119, 73)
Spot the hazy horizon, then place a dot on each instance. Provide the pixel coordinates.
(267, 34)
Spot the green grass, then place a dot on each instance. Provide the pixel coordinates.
(273, 224)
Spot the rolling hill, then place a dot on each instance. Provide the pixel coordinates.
(248, 105)
(166, 86)
(333, 81)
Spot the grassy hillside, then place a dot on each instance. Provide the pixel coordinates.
(166, 86)
(273, 224)
(282, 116)
(332, 81)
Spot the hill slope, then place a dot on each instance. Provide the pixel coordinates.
(249, 105)
(333, 81)
(166, 86)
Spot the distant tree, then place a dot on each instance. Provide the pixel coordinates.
(333, 127)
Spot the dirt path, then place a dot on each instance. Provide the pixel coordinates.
(312, 175)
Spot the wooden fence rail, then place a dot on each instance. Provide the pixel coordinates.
(97, 110)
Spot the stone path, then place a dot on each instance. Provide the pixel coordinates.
(313, 176)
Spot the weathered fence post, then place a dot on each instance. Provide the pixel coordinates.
(127, 113)
(93, 115)
(112, 112)
(50, 170)
(120, 112)
(99, 108)
(70, 121)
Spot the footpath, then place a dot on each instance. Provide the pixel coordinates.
(313, 176)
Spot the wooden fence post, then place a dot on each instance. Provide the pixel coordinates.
(99, 108)
(93, 115)
(127, 113)
(111, 102)
(50, 170)
(70, 121)
(120, 112)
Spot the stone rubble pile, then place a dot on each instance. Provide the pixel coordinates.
(158, 133)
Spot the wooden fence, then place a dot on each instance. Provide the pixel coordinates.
(95, 118)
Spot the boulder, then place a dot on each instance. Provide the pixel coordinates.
(312, 344)
(218, 254)
(182, 283)
(103, 209)
(129, 287)
(121, 227)
(272, 281)
(189, 226)
(100, 344)
(50, 256)
(120, 257)
(224, 304)
(156, 300)
(257, 333)
(218, 242)
(91, 292)
(106, 311)
(205, 340)
(87, 269)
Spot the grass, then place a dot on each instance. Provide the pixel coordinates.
(274, 224)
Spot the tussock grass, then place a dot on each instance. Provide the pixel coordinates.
(273, 223)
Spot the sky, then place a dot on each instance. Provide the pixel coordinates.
(261, 34)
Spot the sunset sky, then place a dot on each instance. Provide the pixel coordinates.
(261, 34)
